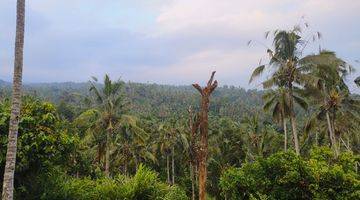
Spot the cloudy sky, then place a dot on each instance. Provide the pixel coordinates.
(166, 41)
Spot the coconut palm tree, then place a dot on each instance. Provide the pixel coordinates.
(330, 92)
(286, 70)
(259, 138)
(131, 144)
(8, 184)
(169, 137)
(278, 102)
(110, 103)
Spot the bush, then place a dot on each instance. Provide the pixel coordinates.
(288, 176)
(144, 185)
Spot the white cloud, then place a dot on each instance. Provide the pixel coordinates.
(232, 68)
(246, 17)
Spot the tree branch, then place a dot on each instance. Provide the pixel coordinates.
(197, 86)
(213, 86)
(211, 78)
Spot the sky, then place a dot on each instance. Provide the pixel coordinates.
(167, 41)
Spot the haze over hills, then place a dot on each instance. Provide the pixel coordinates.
(229, 101)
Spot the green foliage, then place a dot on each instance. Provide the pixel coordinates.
(288, 176)
(144, 185)
(41, 143)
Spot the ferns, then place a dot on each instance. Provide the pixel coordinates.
(144, 185)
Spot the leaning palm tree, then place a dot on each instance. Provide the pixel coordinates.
(8, 184)
(110, 103)
(286, 70)
(330, 92)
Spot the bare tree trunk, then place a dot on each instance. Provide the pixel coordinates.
(173, 165)
(168, 168)
(204, 124)
(285, 134)
(8, 184)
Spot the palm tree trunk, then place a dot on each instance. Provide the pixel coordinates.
(331, 133)
(196, 174)
(173, 165)
(8, 184)
(168, 168)
(107, 153)
(293, 122)
(295, 135)
(285, 135)
(125, 169)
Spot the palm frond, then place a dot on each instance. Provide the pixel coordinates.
(301, 102)
(257, 72)
(271, 82)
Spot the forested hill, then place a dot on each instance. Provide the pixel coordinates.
(150, 99)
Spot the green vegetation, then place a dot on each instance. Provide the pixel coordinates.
(288, 176)
(297, 139)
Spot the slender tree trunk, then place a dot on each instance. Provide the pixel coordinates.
(9, 171)
(136, 163)
(331, 134)
(293, 122)
(204, 125)
(107, 152)
(285, 134)
(168, 168)
(196, 173)
(336, 140)
(295, 135)
(192, 181)
(173, 165)
(125, 169)
(193, 151)
(202, 169)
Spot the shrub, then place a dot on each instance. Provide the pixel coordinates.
(144, 185)
(288, 176)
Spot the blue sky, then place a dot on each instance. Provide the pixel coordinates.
(166, 41)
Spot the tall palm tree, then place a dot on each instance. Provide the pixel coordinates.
(278, 102)
(284, 60)
(169, 137)
(330, 92)
(8, 184)
(110, 102)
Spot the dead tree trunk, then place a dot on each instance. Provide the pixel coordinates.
(204, 125)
